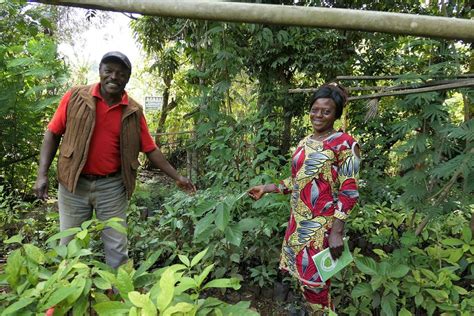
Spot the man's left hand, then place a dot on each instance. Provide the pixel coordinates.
(186, 185)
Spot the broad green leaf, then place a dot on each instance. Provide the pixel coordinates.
(107, 276)
(137, 299)
(165, 296)
(15, 307)
(80, 306)
(134, 312)
(181, 308)
(204, 207)
(82, 234)
(438, 295)
(455, 255)
(184, 260)
(124, 283)
(200, 279)
(235, 258)
(58, 296)
(65, 233)
(80, 266)
(82, 253)
(117, 226)
(380, 253)
(377, 281)
(366, 265)
(20, 62)
(393, 287)
(241, 308)
(467, 234)
(185, 284)
(222, 217)
(223, 283)
(248, 224)
(14, 264)
(86, 224)
(233, 235)
(34, 253)
(147, 264)
(362, 289)
(460, 290)
(145, 280)
(198, 257)
(73, 247)
(14, 239)
(102, 283)
(111, 308)
(398, 271)
(79, 283)
(389, 304)
(203, 224)
(404, 312)
(114, 220)
(452, 242)
(448, 307)
(429, 274)
(419, 299)
(143, 301)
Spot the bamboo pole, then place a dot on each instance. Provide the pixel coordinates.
(463, 84)
(384, 88)
(388, 77)
(430, 88)
(347, 19)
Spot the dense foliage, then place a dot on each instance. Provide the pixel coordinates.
(32, 76)
(410, 234)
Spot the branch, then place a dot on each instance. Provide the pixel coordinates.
(5, 164)
(442, 194)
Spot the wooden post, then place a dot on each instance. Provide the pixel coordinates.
(344, 19)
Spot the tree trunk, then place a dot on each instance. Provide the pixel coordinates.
(163, 114)
(286, 136)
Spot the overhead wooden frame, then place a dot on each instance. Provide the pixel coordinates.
(347, 19)
(399, 89)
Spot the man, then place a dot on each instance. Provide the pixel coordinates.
(102, 130)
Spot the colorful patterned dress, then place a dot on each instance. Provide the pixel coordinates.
(323, 186)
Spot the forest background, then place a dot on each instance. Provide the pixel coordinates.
(411, 233)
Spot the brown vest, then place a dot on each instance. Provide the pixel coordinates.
(79, 127)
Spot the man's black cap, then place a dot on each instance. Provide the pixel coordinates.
(117, 56)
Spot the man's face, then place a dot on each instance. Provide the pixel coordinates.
(114, 77)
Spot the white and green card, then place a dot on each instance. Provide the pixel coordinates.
(327, 266)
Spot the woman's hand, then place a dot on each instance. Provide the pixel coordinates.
(257, 192)
(336, 244)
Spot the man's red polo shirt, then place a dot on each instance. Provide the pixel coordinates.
(104, 148)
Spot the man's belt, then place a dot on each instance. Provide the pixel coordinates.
(93, 177)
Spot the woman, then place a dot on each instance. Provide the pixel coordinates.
(323, 189)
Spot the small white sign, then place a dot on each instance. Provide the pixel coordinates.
(153, 103)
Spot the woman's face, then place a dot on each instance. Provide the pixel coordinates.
(323, 115)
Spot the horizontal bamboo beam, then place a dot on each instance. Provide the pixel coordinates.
(171, 133)
(385, 88)
(346, 19)
(429, 87)
(449, 86)
(388, 77)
